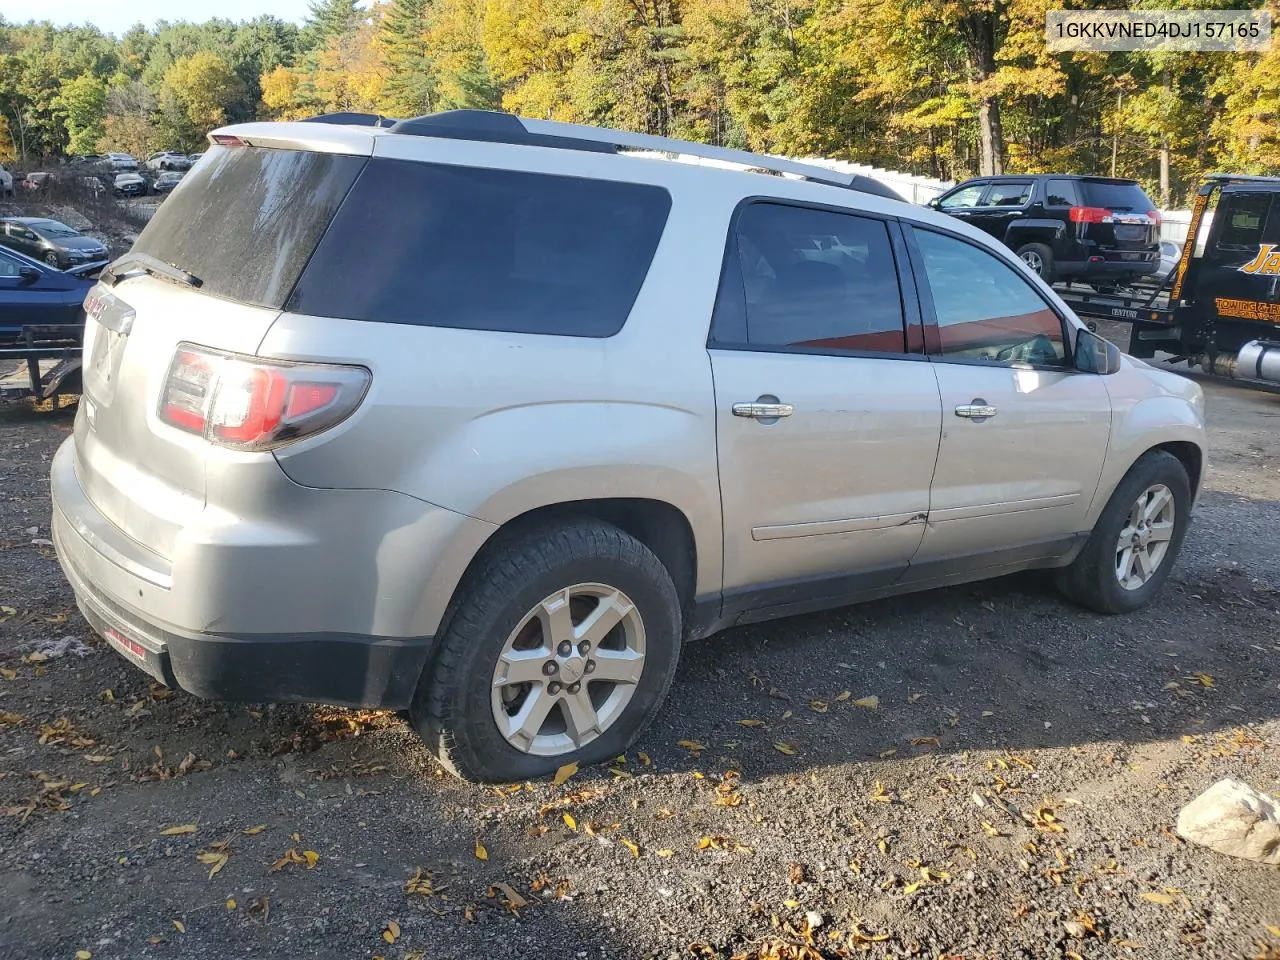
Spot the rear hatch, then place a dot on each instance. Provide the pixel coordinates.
(213, 267)
(1134, 227)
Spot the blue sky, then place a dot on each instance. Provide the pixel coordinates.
(117, 16)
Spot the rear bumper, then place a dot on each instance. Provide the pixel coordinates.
(1107, 268)
(250, 612)
(348, 670)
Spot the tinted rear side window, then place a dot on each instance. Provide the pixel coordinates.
(484, 249)
(246, 220)
(1060, 193)
(1116, 196)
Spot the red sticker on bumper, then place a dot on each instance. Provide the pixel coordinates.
(130, 646)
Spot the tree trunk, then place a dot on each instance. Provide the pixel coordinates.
(1164, 155)
(991, 137)
(1115, 133)
(980, 37)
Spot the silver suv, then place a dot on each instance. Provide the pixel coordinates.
(484, 418)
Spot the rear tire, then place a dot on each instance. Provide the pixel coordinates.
(1108, 576)
(1039, 258)
(506, 607)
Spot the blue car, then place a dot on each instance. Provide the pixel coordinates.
(34, 293)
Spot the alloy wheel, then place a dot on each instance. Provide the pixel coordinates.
(568, 670)
(1034, 261)
(1144, 541)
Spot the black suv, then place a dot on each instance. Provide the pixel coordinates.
(1065, 227)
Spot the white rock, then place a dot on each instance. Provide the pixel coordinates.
(1233, 818)
(814, 919)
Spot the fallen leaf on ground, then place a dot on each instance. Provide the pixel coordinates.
(252, 831)
(665, 853)
(179, 926)
(8, 674)
(564, 773)
(1161, 898)
(787, 748)
(178, 831)
(925, 741)
(569, 822)
(391, 933)
(514, 900)
(231, 903)
(309, 857)
(1204, 679)
(635, 850)
(481, 852)
(751, 723)
(843, 695)
(880, 794)
(420, 882)
(214, 860)
(695, 747)
(869, 702)
(83, 955)
(1045, 821)
(818, 706)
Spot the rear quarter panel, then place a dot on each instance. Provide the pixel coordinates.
(493, 425)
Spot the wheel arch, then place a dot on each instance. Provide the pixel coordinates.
(659, 525)
(1022, 232)
(1190, 455)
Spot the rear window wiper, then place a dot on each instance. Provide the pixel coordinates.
(133, 262)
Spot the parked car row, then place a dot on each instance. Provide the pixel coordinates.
(127, 183)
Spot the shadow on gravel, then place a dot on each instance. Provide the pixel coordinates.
(1003, 664)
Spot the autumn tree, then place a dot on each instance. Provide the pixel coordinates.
(129, 125)
(194, 98)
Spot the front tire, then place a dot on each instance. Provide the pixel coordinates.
(561, 647)
(1039, 258)
(51, 259)
(1136, 540)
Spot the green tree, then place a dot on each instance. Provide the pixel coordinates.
(402, 36)
(83, 105)
(329, 19)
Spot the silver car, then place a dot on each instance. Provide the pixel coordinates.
(484, 418)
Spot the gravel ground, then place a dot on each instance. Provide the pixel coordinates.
(771, 811)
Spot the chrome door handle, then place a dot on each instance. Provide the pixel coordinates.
(977, 411)
(763, 411)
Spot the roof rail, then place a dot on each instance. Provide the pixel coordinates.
(352, 119)
(490, 126)
(495, 127)
(1241, 177)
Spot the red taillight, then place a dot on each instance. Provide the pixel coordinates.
(255, 404)
(1090, 214)
(1154, 217)
(227, 140)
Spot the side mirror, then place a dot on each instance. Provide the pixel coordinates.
(28, 274)
(1095, 354)
(934, 202)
